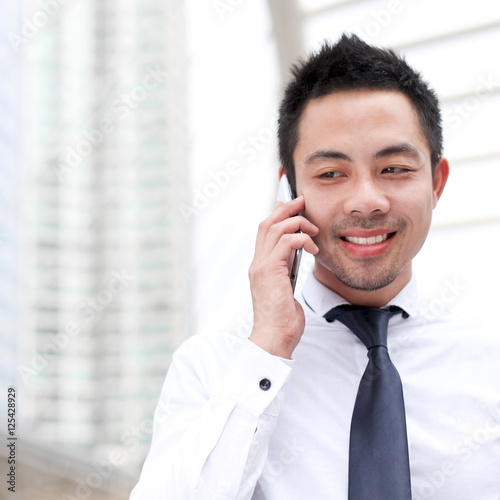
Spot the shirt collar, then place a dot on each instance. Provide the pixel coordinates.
(321, 299)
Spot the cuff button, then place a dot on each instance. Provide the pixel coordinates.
(265, 384)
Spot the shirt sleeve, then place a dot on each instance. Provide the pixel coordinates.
(213, 423)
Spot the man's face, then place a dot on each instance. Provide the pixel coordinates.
(363, 166)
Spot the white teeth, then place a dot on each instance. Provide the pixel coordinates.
(367, 241)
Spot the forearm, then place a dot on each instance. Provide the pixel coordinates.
(214, 445)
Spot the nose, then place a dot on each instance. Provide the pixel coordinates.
(366, 197)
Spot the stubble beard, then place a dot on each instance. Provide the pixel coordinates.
(366, 277)
(369, 273)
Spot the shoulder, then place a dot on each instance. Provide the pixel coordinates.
(459, 333)
(462, 322)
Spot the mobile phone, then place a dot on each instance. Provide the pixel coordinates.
(285, 194)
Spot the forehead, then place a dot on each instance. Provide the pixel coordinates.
(360, 115)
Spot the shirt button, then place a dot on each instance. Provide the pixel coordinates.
(265, 384)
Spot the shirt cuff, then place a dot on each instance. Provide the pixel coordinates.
(255, 378)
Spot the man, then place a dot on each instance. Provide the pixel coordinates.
(271, 417)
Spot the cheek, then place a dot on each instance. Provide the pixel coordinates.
(324, 220)
(317, 214)
(419, 216)
(320, 209)
(416, 203)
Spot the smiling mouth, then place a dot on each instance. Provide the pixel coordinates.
(372, 240)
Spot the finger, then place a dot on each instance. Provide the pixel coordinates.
(288, 209)
(267, 264)
(288, 226)
(281, 212)
(290, 242)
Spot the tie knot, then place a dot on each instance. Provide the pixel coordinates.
(369, 324)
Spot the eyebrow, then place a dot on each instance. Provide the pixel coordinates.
(326, 154)
(403, 148)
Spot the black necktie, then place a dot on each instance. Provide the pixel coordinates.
(378, 451)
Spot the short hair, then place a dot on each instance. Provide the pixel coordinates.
(351, 64)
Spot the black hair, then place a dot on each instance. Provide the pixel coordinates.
(351, 64)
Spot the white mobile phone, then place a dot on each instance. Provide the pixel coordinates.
(285, 194)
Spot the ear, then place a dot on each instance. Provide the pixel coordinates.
(281, 171)
(439, 180)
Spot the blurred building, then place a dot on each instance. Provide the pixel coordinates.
(9, 178)
(44, 472)
(97, 168)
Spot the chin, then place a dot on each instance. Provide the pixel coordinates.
(370, 284)
(367, 277)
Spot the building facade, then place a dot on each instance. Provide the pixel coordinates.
(102, 256)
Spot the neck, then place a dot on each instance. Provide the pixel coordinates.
(372, 298)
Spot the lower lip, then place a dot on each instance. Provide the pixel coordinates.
(367, 250)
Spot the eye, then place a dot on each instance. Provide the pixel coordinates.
(395, 170)
(330, 175)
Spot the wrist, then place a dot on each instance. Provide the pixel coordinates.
(275, 347)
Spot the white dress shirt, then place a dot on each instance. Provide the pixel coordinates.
(219, 435)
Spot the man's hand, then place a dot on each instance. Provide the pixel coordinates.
(278, 318)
